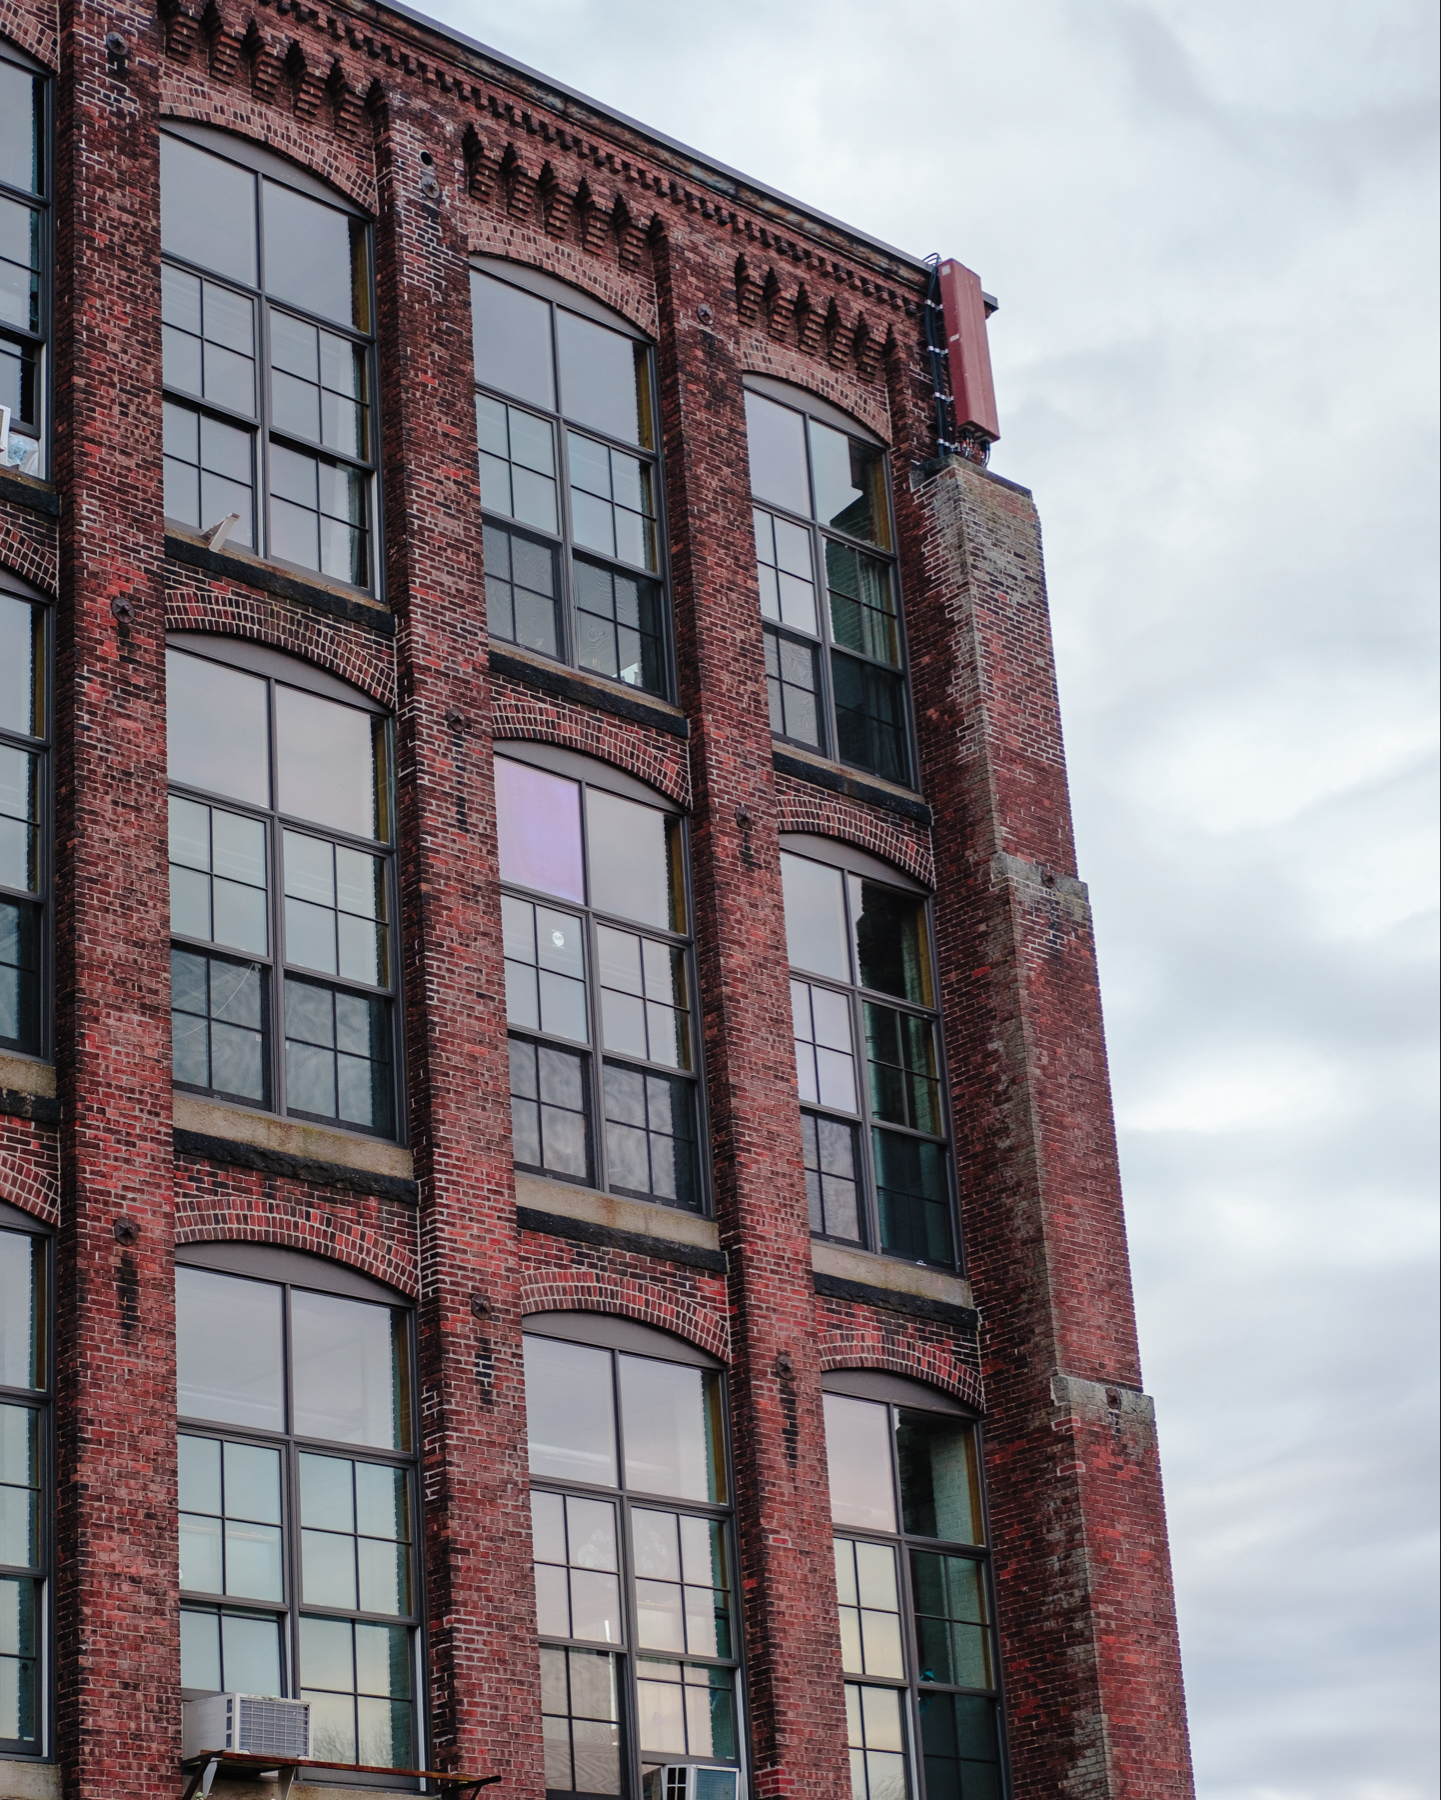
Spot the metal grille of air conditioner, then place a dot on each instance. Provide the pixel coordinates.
(266, 1727)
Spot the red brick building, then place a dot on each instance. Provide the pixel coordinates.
(547, 1017)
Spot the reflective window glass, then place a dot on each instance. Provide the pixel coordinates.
(24, 802)
(889, 1188)
(604, 379)
(26, 1504)
(298, 1568)
(538, 826)
(916, 1619)
(594, 490)
(570, 1409)
(22, 98)
(634, 1599)
(268, 412)
(247, 883)
(834, 675)
(25, 259)
(616, 974)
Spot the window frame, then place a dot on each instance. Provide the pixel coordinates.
(591, 772)
(824, 646)
(903, 1393)
(42, 201)
(559, 295)
(291, 1269)
(278, 666)
(42, 747)
(40, 1399)
(264, 164)
(849, 860)
(621, 1336)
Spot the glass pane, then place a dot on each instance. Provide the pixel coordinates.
(217, 730)
(348, 1368)
(602, 379)
(314, 256)
(22, 658)
(960, 1745)
(328, 758)
(20, 975)
(633, 861)
(850, 484)
(776, 438)
(207, 210)
(228, 1349)
(815, 917)
(870, 717)
(858, 1453)
(512, 340)
(538, 825)
(571, 1411)
(669, 1417)
(912, 1198)
(952, 1631)
(904, 1076)
(940, 1485)
(200, 1650)
(22, 1268)
(21, 115)
(892, 950)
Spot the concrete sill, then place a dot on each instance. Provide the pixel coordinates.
(616, 1214)
(875, 1271)
(24, 1075)
(29, 1781)
(292, 1137)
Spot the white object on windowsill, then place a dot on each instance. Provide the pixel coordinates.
(17, 451)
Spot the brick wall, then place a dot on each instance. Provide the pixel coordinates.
(727, 280)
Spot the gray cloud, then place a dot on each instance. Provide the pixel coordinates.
(1211, 228)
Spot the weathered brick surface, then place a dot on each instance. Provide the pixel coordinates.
(727, 280)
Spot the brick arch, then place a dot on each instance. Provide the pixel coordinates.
(807, 808)
(314, 150)
(658, 761)
(632, 296)
(318, 1232)
(27, 34)
(899, 1355)
(347, 651)
(32, 558)
(596, 1290)
(867, 403)
(32, 1188)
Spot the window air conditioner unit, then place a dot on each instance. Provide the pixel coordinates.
(690, 1781)
(248, 1724)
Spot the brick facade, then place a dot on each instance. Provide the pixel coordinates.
(456, 154)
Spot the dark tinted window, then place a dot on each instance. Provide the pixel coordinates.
(828, 589)
(570, 483)
(25, 230)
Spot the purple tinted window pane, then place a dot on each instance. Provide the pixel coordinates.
(538, 823)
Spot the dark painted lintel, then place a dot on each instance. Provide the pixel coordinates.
(636, 1243)
(26, 490)
(309, 1169)
(838, 782)
(39, 1107)
(942, 1312)
(271, 580)
(587, 693)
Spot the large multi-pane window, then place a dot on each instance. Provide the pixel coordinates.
(298, 1523)
(835, 652)
(868, 1052)
(635, 1584)
(282, 886)
(913, 1584)
(24, 1460)
(569, 478)
(599, 978)
(24, 810)
(269, 365)
(25, 188)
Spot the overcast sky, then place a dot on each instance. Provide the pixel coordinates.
(1210, 225)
